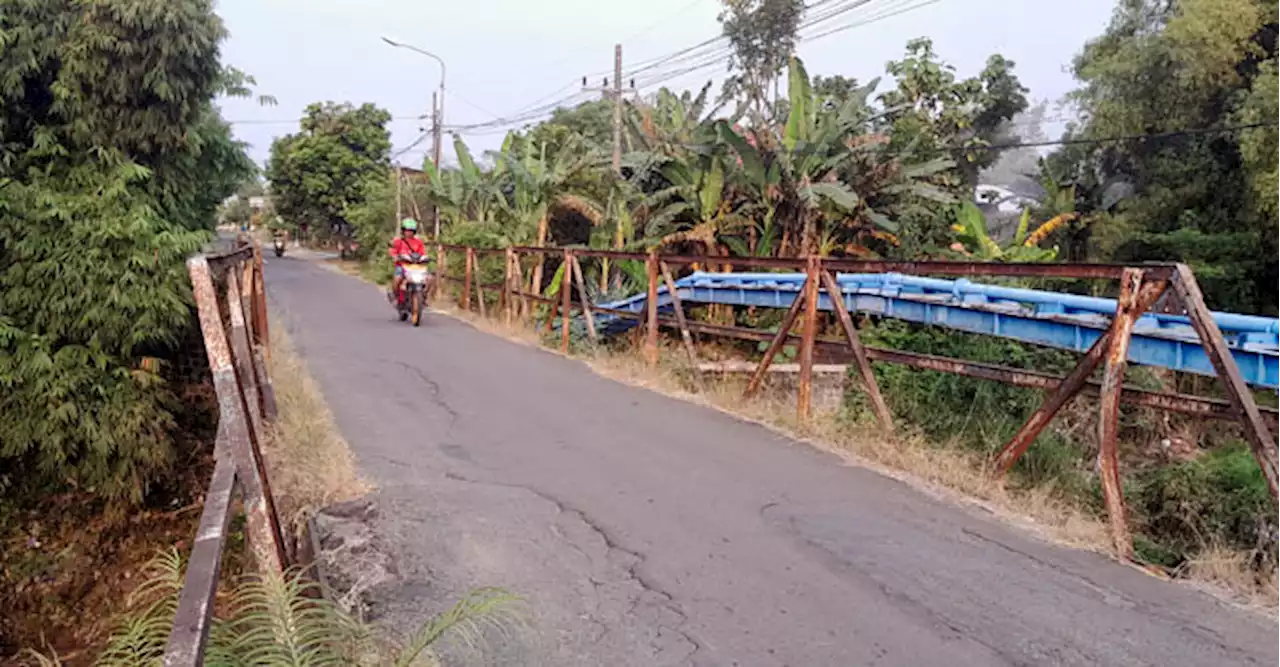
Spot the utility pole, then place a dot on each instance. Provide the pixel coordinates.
(437, 129)
(615, 93)
(399, 208)
(617, 109)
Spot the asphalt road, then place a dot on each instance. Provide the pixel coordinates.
(649, 531)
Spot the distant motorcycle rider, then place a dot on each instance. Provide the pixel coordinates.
(404, 245)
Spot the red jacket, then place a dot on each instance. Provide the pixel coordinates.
(403, 246)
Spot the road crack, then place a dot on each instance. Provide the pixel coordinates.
(632, 562)
(435, 396)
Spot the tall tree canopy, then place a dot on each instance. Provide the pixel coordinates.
(320, 173)
(1209, 199)
(113, 160)
(762, 34)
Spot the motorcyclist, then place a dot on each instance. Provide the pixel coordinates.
(404, 245)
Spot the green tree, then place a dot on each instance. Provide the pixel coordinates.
(762, 34)
(934, 113)
(1206, 199)
(113, 161)
(328, 167)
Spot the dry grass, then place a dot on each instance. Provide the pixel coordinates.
(1223, 570)
(310, 463)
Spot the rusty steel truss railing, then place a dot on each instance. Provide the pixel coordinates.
(1139, 288)
(231, 302)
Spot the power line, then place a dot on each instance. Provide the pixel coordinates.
(723, 55)
(287, 121)
(698, 57)
(870, 20)
(1227, 129)
(473, 105)
(690, 52)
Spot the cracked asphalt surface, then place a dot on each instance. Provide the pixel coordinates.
(648, 531)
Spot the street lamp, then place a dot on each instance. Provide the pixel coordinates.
(439, 111)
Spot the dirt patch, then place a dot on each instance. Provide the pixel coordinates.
(69, 565)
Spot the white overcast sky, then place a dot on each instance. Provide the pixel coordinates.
(503, 55)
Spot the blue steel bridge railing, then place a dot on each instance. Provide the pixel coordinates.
(1064, 321)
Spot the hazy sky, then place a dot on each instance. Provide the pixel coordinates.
(505, 55)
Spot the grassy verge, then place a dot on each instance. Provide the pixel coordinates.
(310, 464)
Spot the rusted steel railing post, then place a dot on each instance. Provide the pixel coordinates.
(804, 393)
(685, 336)
(504, 299)
(1070, 386)
(194, 614)
(260, 303)
(247, 373)
(1109, 412)
(266, 389)
(233, 424)
(581, 282)
(775, 345)
(566, 280)
(442, 270)
(865, 373)
(651, 304)
(242, 353)
(468, 272)
(1260, 439)
(517, 281)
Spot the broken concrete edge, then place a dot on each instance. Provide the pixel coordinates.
(346, 557)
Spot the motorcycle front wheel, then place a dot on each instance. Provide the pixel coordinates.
(417, 307)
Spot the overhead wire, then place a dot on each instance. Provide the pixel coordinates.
(698, 57)
(827, 14)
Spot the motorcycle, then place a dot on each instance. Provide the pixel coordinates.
(279, 246)
(412, 299)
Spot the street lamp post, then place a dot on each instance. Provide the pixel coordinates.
(439, 118)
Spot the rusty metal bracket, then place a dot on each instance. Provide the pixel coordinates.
(865, 373)
(1109, 411)
(1215, 346)
(1070, 385)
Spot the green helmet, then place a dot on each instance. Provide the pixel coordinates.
(409, 223)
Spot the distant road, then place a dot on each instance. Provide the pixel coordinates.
(648, 531)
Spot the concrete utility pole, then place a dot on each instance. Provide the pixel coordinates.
(616, 93)
(399, 209)
(437, 129)
(617, 109)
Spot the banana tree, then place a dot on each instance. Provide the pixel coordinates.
(973, 240)
(465, 194)
(534, 185)
(791, 176)
(690, 207)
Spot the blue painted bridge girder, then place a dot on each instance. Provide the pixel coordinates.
(1064, 321)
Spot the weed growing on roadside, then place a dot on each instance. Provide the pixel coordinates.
(278, 620)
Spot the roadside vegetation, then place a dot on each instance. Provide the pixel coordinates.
(277, 621)
(113, 162)
(309, 463)
(847, 168)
